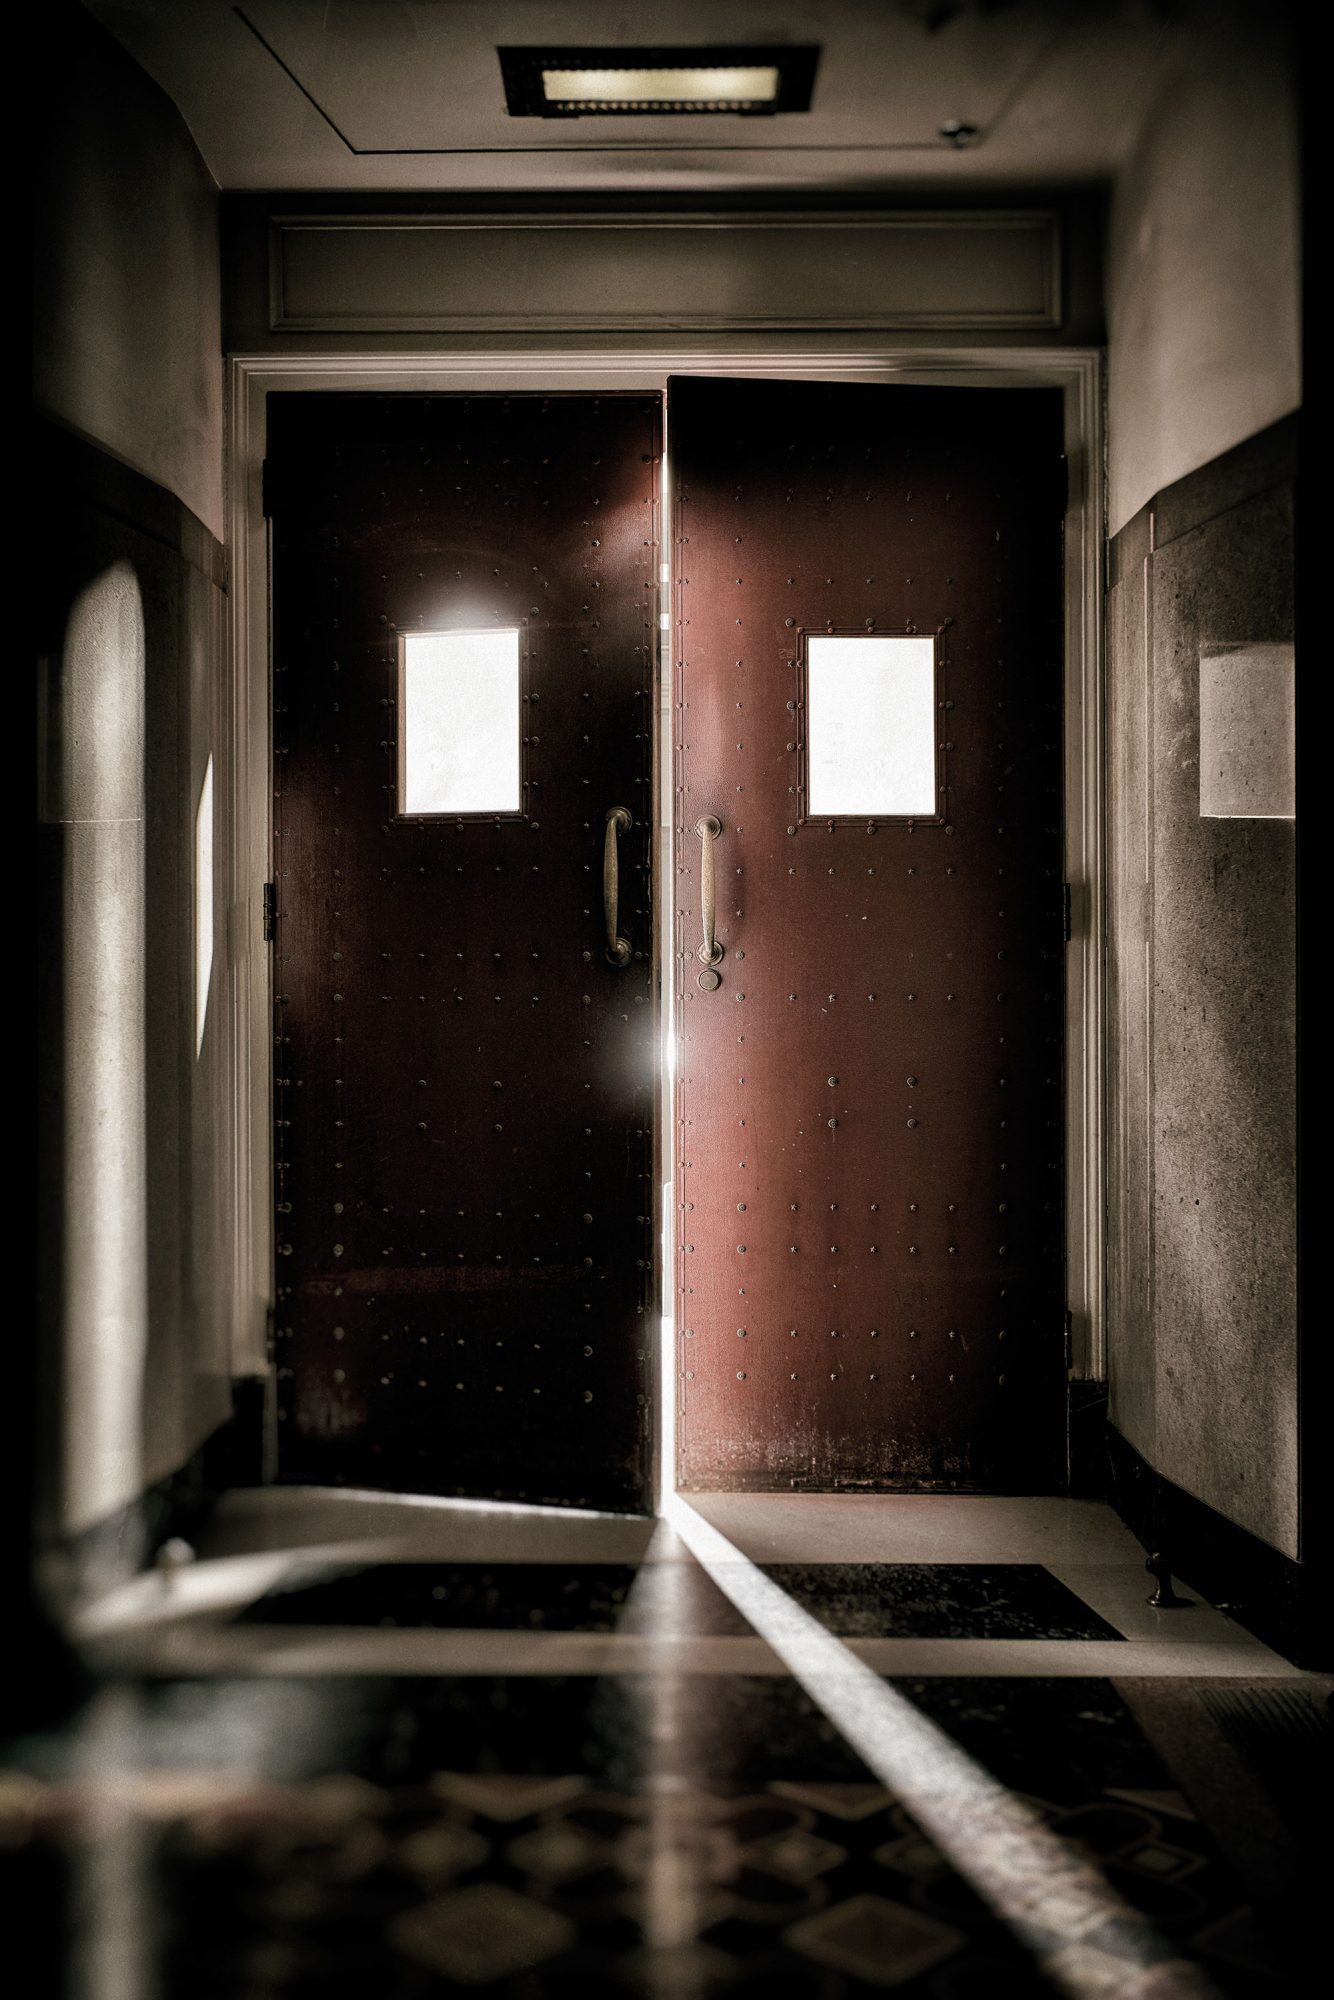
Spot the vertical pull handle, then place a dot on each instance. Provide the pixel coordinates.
(708, 830)
(619, 950)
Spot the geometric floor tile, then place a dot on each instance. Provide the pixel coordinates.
(481, 1934)
(839, 1801)
(883, 1943)
(1167, 1864)
(522, 1837)
(555, 1849)
(434, 1853)
(1100, 1827)
(1101, 1975)
(501, 1797)
(1070, 1902)
(675, 1971)
(1170, 1803)
(912, 1854)
(795, 1853)
(1237, 1940)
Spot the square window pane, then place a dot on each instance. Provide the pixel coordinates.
(870, 726)
(459, 723)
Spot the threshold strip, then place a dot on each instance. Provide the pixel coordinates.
(1084, 1936)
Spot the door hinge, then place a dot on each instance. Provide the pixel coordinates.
(266, 490)
(1069, 1339)
(270, 911)
(1067, 912)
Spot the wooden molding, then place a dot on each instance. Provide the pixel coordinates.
(563, 273)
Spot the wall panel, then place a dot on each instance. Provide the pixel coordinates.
(1203, 1308)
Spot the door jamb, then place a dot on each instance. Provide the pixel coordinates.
(243, 758)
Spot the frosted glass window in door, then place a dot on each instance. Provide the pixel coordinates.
(458, 723)
(870, 726)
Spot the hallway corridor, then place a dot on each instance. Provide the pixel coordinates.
(803, 1745)
(668, 756)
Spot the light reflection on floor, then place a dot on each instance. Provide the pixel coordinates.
(653, 1772)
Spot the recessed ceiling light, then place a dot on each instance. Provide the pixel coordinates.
(602, 83)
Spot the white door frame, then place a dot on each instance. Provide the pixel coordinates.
(243, 759)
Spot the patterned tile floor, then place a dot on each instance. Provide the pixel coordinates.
(679, 1817)
(866, 1600)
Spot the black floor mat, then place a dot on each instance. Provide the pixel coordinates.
(855, 1600)
(661, 1598)
(940, 1601)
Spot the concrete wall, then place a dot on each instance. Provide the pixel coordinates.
(134, 1138)
(1202, 262)
(1202, 1214)
(126, 327)
(1204, 370)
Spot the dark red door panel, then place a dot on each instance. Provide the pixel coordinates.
(465, 1083)
(869, 1100)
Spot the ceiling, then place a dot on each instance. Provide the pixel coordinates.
(407, 95)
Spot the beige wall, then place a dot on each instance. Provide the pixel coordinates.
(1202, 263)
(134, 1143)
(126, 346)
(1203, 367)
(1202, 1297)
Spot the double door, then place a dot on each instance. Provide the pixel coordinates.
(851, 964)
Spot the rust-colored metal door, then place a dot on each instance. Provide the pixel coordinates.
(869, 1078)
(465, 1074)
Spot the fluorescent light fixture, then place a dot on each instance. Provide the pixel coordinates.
(734, 89)
(585, 82)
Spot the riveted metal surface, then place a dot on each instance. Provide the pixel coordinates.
(876, 1082)
(465, 1090)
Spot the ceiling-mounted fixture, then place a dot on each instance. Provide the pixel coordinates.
(621, 82)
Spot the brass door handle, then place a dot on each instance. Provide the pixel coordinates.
(708, 830)
(619, 949)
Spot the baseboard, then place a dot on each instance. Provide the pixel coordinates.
(1087, 1440)
(1280, 1601)
(117, 1548)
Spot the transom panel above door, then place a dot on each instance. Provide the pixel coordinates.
(869, 935)
(465, 616)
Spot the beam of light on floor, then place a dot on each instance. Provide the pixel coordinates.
(674, 1883)
(439, 1503)
(665, 1479)
(111, 1914)
(1085, 1937)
